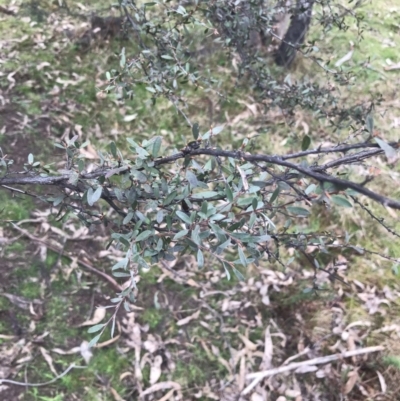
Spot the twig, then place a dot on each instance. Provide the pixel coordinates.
(312, 172)
(258, 376)
(378, 219)
(70, 367)
(353, 158)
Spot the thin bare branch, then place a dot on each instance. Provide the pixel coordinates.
(258, 376)
(314, 172)
(70, 367)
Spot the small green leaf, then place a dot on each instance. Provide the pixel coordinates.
(204, 207)
(132, 142)
(242, 256)
(369, 123)
(113, 149)
(311, 188)
(183, 216)
(395, 269)
(238, 274)
(58, 200)
(96, 327)
(191, 177)
(94, 341)
(228, 193)
(225, 244)
(214, 131)
(218, 232)
(217, 217)
(274, 195)
(180, 234)
(390, 152)
(144, 235)
(139, 175)
(181, 10)
(160, 216)
(298, 211)
(195, 235)
(95, 196)
(226, 267)
(205, 195)
(128, 218)
(195, 130)
(244, 201)
(142, 153)
(126, 307)
(351, 192)
(170, 198)
(121, 264)
(341, 201)
(156, 146)
(261, 238)
(81, 165)
(200, 259)
(121, 274)
(305, 144)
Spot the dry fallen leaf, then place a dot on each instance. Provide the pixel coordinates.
(155, 370)
(49, 360)
(268, 350)
(192, 283)
(115, 395)
(247, 343)
(98, 316)
(346, 57)
(291, 393)
(256, 397)
(351, 382)
(392, 67)
(151, 344)
(85, 351)
(187, 319)
(241, 377)
(161, 386)
(382, 382)
(136, 340)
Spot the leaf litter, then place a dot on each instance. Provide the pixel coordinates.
(240, 327)
(246, 356)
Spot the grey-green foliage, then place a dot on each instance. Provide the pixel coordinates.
(170, 34)
(226, 209)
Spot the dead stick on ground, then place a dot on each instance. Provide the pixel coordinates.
(258, 376)
(72, 366)
(89, 267)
